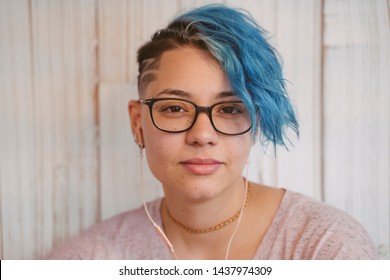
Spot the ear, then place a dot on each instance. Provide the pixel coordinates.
(134, 108)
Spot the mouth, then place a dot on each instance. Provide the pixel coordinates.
(199, 166)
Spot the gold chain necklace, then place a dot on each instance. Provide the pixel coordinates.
(213, 228)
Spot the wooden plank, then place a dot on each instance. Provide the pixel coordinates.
(123, 26)
(120, 30)
(113, 33)
(156, 15)
(299, 42)
(64, 38)
(134, 37)
(49, 186)
(120, 161)
(17, 158)
(263, 11)
(184, 5)
(357, 113)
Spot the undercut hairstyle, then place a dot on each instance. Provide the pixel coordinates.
(251, 64)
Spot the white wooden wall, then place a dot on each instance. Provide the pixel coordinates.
(68, 69)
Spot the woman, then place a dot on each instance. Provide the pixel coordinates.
(209, 85)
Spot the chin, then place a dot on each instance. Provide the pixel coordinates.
(198, 190)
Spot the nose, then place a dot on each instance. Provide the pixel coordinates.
(202, 132)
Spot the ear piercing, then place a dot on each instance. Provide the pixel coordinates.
(140, 145)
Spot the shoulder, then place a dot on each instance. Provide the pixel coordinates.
(304, 228)
(127, 235)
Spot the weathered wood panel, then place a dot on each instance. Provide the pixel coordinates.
(50, 182)
(113, 29)
(187, 4)
(299, 41)
(18, 172)
(357, 113)
(64, 50)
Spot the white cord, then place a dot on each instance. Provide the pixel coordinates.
(241, 214)
(156, 226)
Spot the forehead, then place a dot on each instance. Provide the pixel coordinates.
(191, 70)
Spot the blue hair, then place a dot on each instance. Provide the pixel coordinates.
(234, 38)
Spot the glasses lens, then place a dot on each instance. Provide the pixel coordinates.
(173, 115)
(231, 117)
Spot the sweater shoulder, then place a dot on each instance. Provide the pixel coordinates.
(122, 236)
(305, 228)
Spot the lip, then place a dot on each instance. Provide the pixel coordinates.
(201, 166)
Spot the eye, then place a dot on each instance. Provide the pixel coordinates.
(230, 109)
(174, 109)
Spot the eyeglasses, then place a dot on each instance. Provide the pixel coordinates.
(178, 115)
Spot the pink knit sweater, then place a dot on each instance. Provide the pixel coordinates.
(301, 229)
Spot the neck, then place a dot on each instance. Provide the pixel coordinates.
(201, 215)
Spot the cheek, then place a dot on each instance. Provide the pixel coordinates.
(239, 150)
(161, 149)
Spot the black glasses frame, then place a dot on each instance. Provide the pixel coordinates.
(198, 110)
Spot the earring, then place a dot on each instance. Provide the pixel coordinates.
(139, 144)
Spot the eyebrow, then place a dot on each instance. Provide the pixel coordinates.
(182, 93)
(176, 92)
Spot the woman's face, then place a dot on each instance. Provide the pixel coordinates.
(199, 163)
